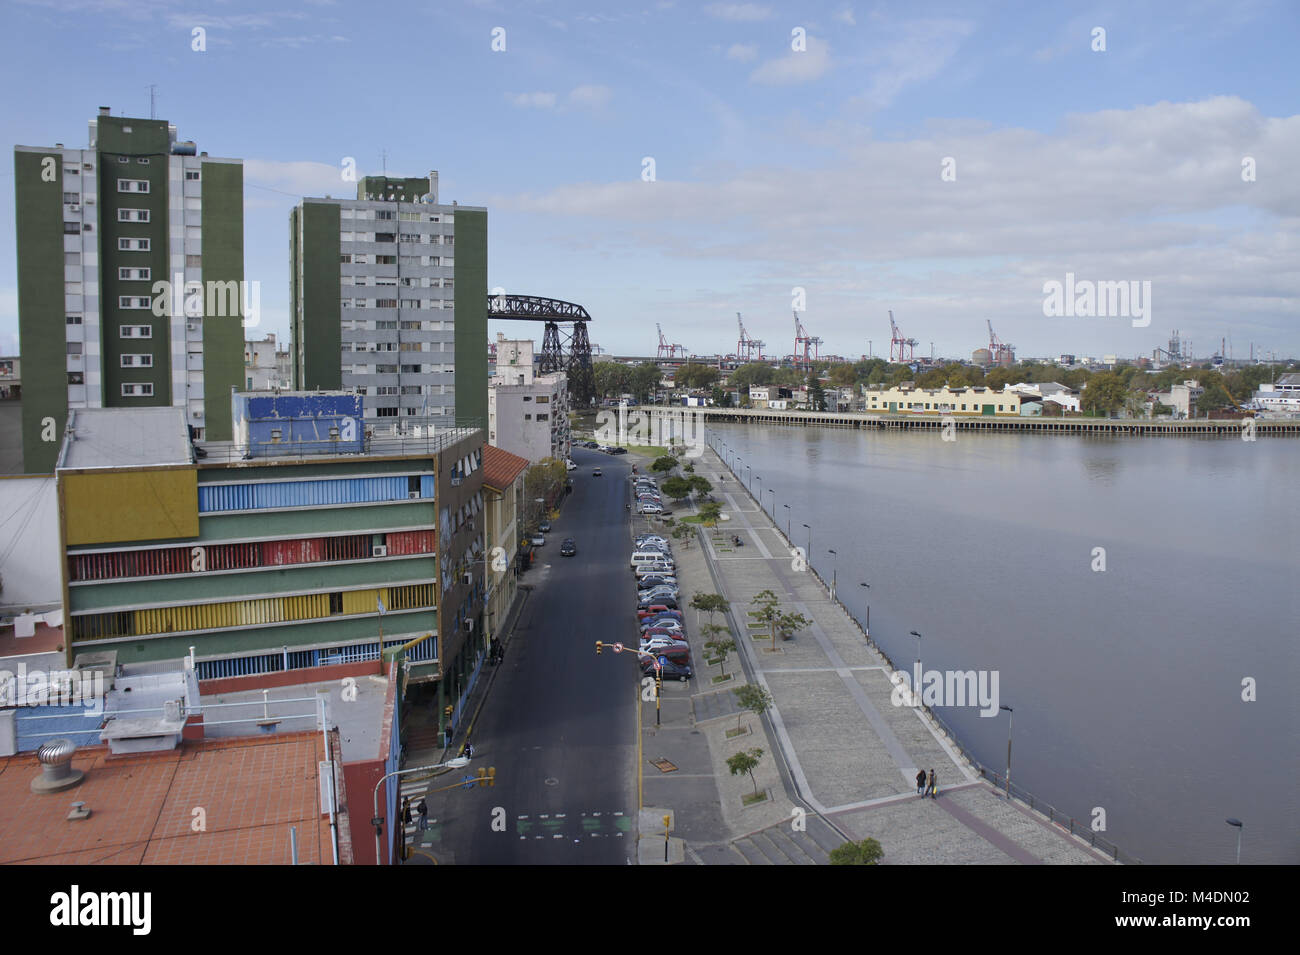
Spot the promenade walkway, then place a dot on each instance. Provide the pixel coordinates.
(847, 754)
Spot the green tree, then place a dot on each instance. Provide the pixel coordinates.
(612, 378)
(664, 464)
(699, 483)
(746, 761)
(816, 394)
(645, 379)
(710, 604)
(753, 698)
(677, 488)
(1105, 393)
(866, 852)
(769, 612)
(545, 480)
(844, 375)
(716, 647)
(753, 373)
(710, 512)
(695, 375)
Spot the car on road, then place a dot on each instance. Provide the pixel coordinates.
(570, 466)
(595, 472)
(537, 540)
(668, 671)
(568, 548)
(544, 527)
(618, 450)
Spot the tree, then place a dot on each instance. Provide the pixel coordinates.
(645, 379)
(1105, 393)
(664, 464)
(710, 512)
(754, 698)
(544, 480)
(753, 373)
(769, 612)
(695, 375)
(716, 647)
(676, 488)
(843, 375)
(699, 483)
(612, 378)
(746, 761)
(866, 852)
(816, 394)
(710, 604)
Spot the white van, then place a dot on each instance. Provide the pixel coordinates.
(642, 557)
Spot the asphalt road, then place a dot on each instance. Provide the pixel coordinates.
(560, 722)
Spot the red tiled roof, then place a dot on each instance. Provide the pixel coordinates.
(500, 468)
(251, 790)
(47, 639)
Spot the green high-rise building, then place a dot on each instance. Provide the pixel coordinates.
(388, 299)
(131, 287)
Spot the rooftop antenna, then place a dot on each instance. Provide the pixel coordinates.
(383, 155)
(153, 100)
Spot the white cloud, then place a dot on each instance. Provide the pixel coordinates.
(917, 51)
(532, 100)
(738, 12)
(1153, 192)
(590, 96)
(796, 66)
(744, 52)
(299, 178)
(846, 16)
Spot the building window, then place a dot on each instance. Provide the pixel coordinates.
(137, 361)
(193, 261)
(385, 412)
(135, 331)
(336, 603)
(134, 301)
(543, 399)
(543, 417)
(192, 175)
(72, 258)
(133, 275)
(123, 159)
(132, 215)
(74, 348)
(143, 160)
(385, 237)
(142, 389)
(385, 260)
(383, 213)
(71, 198)
(76, 378)
(386, 303)
(133, 245)
(528, 417)
(133, 185)
(72, 228)
(345, 259)
(74, 319)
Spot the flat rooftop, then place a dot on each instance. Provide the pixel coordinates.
(125, 437)
(380, 442)
(251, 790)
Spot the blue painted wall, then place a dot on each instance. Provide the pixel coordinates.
(304, 421)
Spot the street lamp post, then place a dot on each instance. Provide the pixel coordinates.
(809, 529)
(1238, 825)
(867, 628)
(1009, 719)
(460, 762)
(834, 572)
(919, 672)
(773, 493)
(787, 520)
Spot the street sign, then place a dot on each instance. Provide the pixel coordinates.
(618, 648)
(663, 661)
(469, 781)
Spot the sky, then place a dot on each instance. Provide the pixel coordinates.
(673, 163)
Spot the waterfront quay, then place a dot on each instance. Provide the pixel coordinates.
(1004, 423)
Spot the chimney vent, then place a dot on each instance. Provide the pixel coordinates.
(104, 111)
(57, 773)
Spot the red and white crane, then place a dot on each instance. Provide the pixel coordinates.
(1001, 352)
(900, 348)
(748, 349)
(805, 345)
(666, 351)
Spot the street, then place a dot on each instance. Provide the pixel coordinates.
(559, 724)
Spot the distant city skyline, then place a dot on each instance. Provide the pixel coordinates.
(678, 164)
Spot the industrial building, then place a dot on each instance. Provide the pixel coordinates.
(976, 400)
(131, 289)
(528, 413)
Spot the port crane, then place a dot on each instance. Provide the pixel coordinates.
(1000, 352)
(900, 349)
(747, 349)
(805, 345)
(666, 351)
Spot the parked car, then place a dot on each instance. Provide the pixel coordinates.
(618, 451)
(651, 539)
(649, 508)
(665, 627)
(570, 466)
(658, 609)
(537, 540)
(668, 671)
(649, 644)
(544, 527)
(656, 580)
(659, 567)
(646, 603)
(568, 548)
(654, 593)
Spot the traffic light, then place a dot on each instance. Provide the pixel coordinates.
(487, 777)
(482, 776)
(448, 710)
(600, 646)
(492, 776)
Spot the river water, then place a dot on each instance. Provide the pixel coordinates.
(1127, 683)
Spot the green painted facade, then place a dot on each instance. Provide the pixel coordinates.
(336, 631)
(120, 155)
(38, 212)
(471, 319)
(317, 339)
(223, 261)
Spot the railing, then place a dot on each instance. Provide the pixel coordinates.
(379, 440)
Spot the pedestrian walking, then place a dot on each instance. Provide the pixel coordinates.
(920, 782)
(934, 787)
(469, 749)
(450, 733)
(423, 810)
(406, 810)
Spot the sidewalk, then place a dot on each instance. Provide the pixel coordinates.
(833, 742)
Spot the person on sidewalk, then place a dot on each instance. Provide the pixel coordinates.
(469, 750)
(920, 782)
(423, 810)
(406, 810)
(934, 787)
